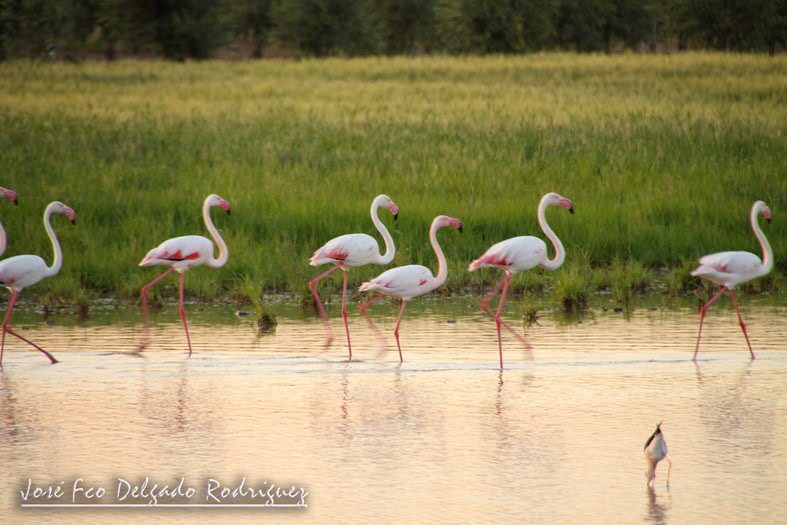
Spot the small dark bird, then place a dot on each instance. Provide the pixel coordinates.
(655, 451)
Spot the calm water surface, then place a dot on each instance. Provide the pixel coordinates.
(445, 437)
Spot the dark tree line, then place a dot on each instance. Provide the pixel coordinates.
(180, 29)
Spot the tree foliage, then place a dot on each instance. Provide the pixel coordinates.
(196, 29)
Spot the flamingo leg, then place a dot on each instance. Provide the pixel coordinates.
(396, 330)
(499, 321)
(344, 313)
(7, 329)
(740, 321)
(183, 312)
(50, 356)
(6, 320)
(320, 308)
(703, 310)
(505, 280)
(145, 315)
(373, 326)
(369, 303)
(489, 296)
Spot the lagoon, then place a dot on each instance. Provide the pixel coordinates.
(444, 437)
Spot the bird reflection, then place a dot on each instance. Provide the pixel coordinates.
(172, 407)
(344, 426)
(728, 407)
(383, 347)
(8, 424)
(499, 400)
(657, 510)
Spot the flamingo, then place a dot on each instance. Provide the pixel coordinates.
(182, 253)
(656, 450)
(730, 269)
(413, 280)
(521, 253)
(17, 273)
(350, 251)
(11, 195)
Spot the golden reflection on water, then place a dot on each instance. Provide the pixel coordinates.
(445, 437)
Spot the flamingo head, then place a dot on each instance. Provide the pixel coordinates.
(553, 199)
(59, 207)
(384, 201)
(764, 210)
(442, 221)
(8, 194)
(215, 200)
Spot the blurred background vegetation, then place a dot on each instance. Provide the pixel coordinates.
(200, 29)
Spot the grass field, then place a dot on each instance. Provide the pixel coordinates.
(662, 156)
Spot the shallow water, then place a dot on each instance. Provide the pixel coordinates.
(445, 437)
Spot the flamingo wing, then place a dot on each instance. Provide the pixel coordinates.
(405, 281)
(516, 254)
(22, 271)
(353, 249)
(729, 268)
(180, 252)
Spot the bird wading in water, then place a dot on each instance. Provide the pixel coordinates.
(182, 253)
(518, 254)
(655, 451)
(350, 251)
(730, 269)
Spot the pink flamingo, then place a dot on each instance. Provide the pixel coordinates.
(732, 268)
(182, 253)
(11, 195)
(349, 251)
(17, 273)
(413, 280)
(521, 253)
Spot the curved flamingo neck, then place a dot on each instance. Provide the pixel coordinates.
(57, 263)
(442, 267)
(560, 253)
(390, 249)
(767, 252)
(214, 232)
(3, 240)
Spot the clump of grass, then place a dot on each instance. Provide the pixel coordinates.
(679, 280)
(572, 286)
(307, 302)
(252, 294)
(627, 278)
(81, 302)
(531, 316)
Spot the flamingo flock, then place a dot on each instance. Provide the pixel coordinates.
(512, 256)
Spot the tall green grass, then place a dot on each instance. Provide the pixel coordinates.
(662, 156)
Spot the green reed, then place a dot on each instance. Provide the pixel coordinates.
(662, 156)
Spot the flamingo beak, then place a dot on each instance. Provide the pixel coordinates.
(71, 214)
(460, 229)
(10, 195)
(396, 216)
(571, 210)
